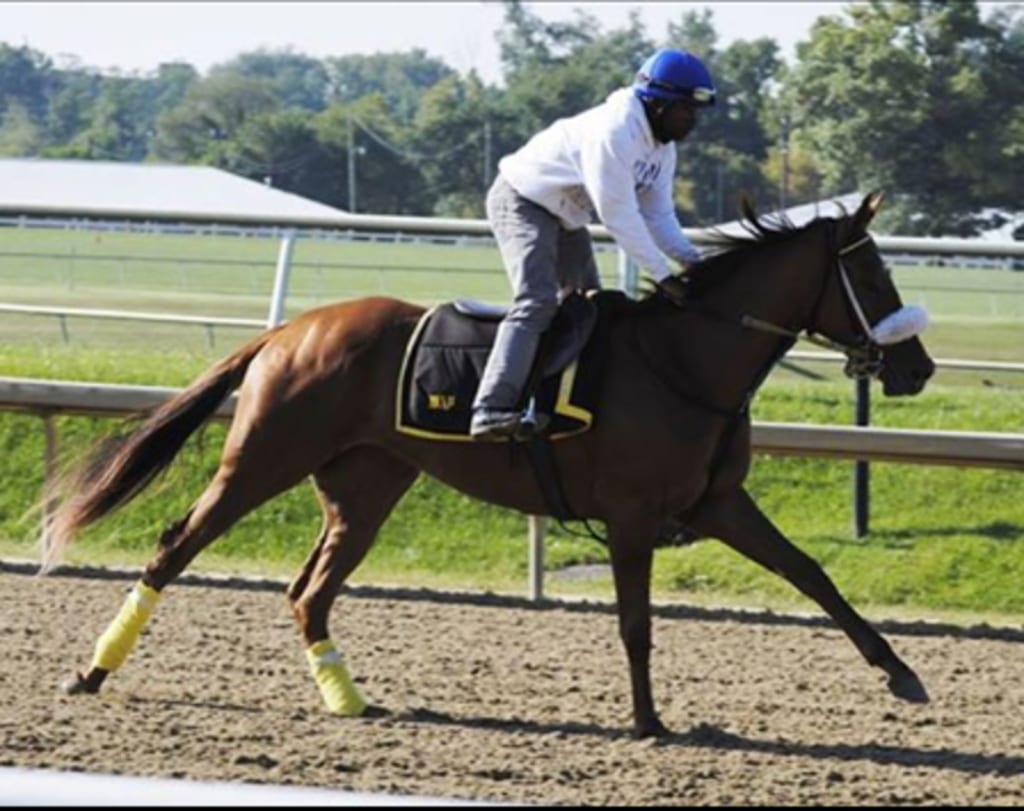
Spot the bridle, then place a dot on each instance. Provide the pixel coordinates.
(864, 357)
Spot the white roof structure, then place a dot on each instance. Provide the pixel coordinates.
(802, 214)
(150, 191)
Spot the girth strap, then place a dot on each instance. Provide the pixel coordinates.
(545, 470)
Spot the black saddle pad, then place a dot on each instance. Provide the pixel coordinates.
(445, 359)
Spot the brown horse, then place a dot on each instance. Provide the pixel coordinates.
(316, 397)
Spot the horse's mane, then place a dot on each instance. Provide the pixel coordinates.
(727, 251)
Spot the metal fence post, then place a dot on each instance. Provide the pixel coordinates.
(49, 472)
(538, 524)
(861, 473)
(284, 266)
(628, 274)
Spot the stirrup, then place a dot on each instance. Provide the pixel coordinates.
(532, 423)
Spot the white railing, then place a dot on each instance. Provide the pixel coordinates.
(63, 313)
(47, 398)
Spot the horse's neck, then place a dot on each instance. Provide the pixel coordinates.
(712, 350)
(781, 289)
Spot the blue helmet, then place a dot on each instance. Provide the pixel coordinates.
(671, 75)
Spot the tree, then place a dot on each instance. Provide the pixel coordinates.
(386, 179)
(213, 111)
(554, 70)
(19, 135)
(25, 77)
(297, 80)
(999, 180)
(450, 139)
(400, 79)
(898, 98)
(281, 149)
(725, 156)
(118, 124)
(74, 91)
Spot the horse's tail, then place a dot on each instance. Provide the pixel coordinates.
(122, 465)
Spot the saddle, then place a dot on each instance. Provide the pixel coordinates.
(448, 350)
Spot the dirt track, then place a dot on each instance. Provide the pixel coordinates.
(508, 703)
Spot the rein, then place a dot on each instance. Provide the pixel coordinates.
(863, 359)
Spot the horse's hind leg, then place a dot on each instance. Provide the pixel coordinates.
(737, 521)
(357, 492)
(233, 493)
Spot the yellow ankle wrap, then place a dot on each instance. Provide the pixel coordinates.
(332, 677)
(121, 635)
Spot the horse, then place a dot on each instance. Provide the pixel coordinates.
(316, 399)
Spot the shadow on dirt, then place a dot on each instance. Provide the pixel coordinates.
(708, 736)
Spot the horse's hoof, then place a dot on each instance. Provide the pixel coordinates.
(908, 687)
(650, 729)
(78, 684)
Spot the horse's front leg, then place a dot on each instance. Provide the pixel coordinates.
(632, 553)
(735, 519)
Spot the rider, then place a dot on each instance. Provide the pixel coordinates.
(617, 160)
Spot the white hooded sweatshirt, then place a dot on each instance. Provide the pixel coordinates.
(607, 161)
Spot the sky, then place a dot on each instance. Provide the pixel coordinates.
(137, 37)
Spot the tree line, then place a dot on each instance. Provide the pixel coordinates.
(922, 98)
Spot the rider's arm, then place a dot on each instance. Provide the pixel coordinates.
(658, 210)
(607, 169)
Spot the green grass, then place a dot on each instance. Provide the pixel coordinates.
(941, 538)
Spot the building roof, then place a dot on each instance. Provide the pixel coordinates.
(149, 191)
(803, 214)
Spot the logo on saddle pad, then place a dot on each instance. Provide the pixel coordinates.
(441, 402)
(445, 359)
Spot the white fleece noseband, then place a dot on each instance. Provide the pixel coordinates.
(905, 323)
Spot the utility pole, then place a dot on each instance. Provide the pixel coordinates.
(784, 149)
(487, 154)
(721, 201)
(351, 165)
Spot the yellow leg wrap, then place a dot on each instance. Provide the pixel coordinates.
(332, 677)
(121, 635)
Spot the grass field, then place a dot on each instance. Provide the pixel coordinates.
(942, 538)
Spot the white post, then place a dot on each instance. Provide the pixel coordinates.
(284, 267)
(49, 472)
(628, 276)
(537, 526)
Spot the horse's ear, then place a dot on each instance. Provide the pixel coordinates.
(868, 209)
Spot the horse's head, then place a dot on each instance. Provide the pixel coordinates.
(860, 309)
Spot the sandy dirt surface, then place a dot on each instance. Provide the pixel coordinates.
(495, 700)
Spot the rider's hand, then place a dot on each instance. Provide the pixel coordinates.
(674, 289)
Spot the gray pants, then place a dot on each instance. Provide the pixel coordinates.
(543, 260)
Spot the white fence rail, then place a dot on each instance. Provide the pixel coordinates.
(957, 448)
